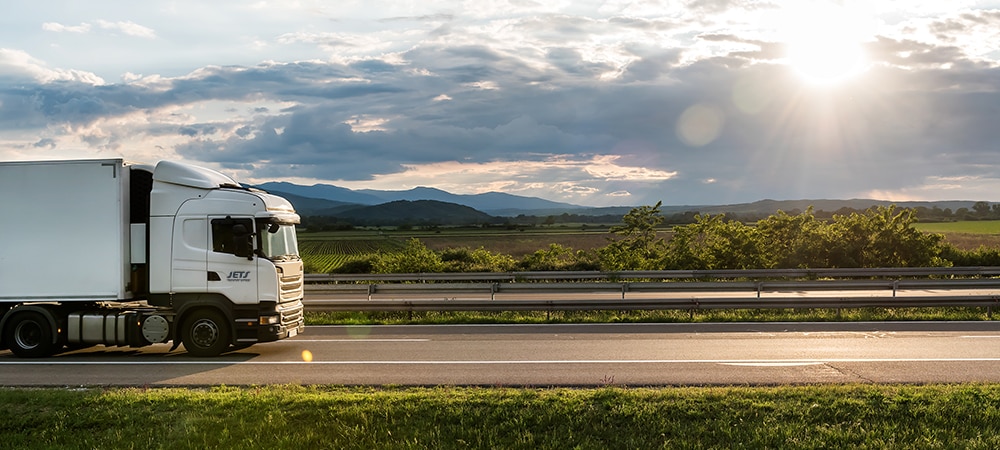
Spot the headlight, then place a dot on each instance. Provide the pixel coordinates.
(270, 320)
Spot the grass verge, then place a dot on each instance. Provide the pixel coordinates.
(848, 416)
(756, 315)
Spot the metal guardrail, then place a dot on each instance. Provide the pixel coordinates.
(684, 290)
(974, 271)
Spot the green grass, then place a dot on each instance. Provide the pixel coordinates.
(967, 226)
(849, 416)
(746, 315)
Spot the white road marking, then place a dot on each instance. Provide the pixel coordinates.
(361, 340)
(217, 362)
(774, 364)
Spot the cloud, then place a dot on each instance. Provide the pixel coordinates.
(19, 66)
(129, 28)
(60, 28)
(686, 103)
(125, 27)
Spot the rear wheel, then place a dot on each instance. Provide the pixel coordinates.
(206, 333)
(29, 335)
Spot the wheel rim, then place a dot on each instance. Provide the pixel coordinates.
(204, 333)
(28, 334)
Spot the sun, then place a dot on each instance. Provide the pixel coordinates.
(824, 42)
(826, 59)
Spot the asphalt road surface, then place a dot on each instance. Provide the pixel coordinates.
(552, 355)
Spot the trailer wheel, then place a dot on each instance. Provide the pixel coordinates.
(29, 335)
(205, 333)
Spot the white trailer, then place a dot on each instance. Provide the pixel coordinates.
(102, 252)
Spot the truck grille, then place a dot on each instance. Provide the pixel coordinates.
(291, 314)
(291, 281)
(291, 287)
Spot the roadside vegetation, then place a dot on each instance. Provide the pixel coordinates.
(842, 416)
(878, 237)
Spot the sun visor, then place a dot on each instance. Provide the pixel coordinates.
(189, 175)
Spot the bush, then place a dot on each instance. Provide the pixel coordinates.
(558, 257)
(478, 260)
(362, 264)
(414, 258)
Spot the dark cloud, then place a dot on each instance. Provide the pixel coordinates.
(923, 109)
(948, 27)
(800, 142)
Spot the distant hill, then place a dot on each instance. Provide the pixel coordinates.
(767, 206)
(324, 192)
(489, 202)
(429, 205)
(419, 212)
(307, 206)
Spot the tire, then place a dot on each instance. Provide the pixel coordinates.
(29, 335)
(206, 333)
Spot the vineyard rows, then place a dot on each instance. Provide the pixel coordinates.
(322, 256)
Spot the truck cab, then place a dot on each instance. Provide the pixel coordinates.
(222, 251)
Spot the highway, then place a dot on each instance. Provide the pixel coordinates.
(553, 355)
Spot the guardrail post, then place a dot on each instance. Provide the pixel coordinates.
(624, 289)
(493, 291)
(895, 287)
(371, 290)
(760, 285)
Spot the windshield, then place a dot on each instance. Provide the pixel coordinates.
(278, 242)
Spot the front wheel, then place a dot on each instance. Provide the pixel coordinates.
(29, 335)
(205, 333)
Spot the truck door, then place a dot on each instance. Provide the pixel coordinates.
(231, 266)
(187, 265)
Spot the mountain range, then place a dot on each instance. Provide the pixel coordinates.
(425, 204)
(492, 203)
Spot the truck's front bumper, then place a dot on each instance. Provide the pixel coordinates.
(290, 322)
(274, 322)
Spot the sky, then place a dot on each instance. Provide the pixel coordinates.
(595, 103)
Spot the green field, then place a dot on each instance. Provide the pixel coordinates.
(321, 255)
(967, 226)
(325, 251)
(843, 416)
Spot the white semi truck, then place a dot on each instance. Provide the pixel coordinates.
(103, 252)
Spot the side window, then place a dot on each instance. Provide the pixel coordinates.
(232, 236)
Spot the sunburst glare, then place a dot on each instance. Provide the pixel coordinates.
(824, 41)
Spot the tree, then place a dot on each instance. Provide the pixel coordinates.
(637, 244)
(982, 209)
(713, 243)
(882, 237)
(792, 241)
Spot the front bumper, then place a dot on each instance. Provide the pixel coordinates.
(271, 322)
(291, 322)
